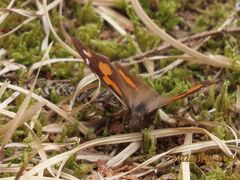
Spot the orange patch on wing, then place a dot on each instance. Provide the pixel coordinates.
(127, 79)
(190, 91)
(105, 69)
(108, 81)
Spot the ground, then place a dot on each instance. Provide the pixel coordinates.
(56, 120)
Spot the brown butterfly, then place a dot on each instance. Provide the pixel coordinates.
(133, 92)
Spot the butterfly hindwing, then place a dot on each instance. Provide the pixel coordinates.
(140, 96)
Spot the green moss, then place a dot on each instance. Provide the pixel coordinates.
(23, 47)
(167, 13)
(222, 102)
(205, 102)
(55, 20)
(38, 128)
(72, 129)
(121, 4)
(6, 94)
(79, 169)
(149, 144)
(64, 134)
(68, 70)
(57, 51)
(89, 31)
(86, 14)
(163, 12)
(9, 152)
(28, 139)
(216, 173)
(222, 131)
(146, 40)
(176, 81)
(146, 4)
(54, 98)
(235, 176)
(231, 50)
(113, 49)
(213, 16)
(4, 175)
(3, 4)
(11, 22)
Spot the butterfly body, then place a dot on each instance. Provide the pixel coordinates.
(138, 97)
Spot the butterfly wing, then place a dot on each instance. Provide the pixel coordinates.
(142, 98)
(132, 91)
(100, 65)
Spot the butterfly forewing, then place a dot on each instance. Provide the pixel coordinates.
(100, 65)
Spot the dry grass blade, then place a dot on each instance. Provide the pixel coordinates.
(184, 167)
(83, 83)
(238, 98)
(53, 128)
(180, 149)
(122, 20)
(21, 113)
(116, 139)
(214, 124)
(112, 21)
(149, 161)
(46, 28)
(62, 43)
(10, 127)
(3, 52)
(50, 6)
(4, 16)
(7, 113)
(93, 157)
(20, 12)
(10, 66)
(18, 27)
(33, 178)
(108, 3)
(159, 58)
(51, 61)
(165, 117)
(3, 88)
(124, 154)
(5, 103)
(40, 148)
(151, 25)
(219, 142)
(49, 104)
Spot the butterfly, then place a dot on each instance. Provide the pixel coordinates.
(138, 97)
